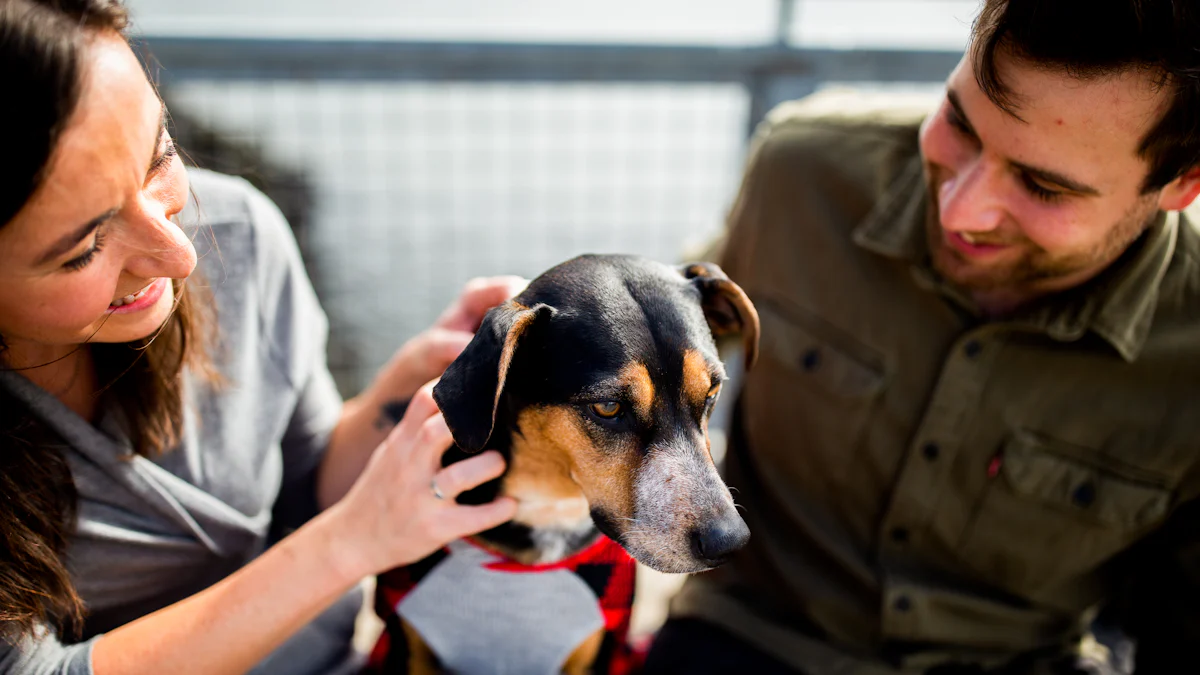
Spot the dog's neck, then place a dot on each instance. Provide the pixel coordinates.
(553, 520)
(551, 508)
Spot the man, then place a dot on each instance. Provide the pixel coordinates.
(974, 420)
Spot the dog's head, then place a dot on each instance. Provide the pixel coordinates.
(602, 375)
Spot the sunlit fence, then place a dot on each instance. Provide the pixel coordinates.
(406, 168)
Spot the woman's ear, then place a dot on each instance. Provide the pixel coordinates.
(468, 393)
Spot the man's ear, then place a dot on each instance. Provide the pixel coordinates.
(725, 305)
(1181, 192)
(468, 393)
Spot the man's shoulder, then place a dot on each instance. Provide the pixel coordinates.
(1177, 306)
(847, 107)
(846, 125)
(843, 147)
(1187, 262)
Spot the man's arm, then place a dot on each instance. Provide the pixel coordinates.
(1160, 603)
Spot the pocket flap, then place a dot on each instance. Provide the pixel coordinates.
(1033, 468)
(832, 363)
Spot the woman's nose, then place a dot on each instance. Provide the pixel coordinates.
(157, 246)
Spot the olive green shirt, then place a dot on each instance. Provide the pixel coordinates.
(923, 485)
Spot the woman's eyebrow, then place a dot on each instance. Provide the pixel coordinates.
(71, 240)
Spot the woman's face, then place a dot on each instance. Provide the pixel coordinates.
(94, 256)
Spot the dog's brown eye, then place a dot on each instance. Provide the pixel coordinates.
(606, 409)
(712, 398)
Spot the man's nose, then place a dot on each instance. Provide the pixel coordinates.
(970, 201)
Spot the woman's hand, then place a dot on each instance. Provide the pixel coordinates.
(391, 516)
(368, 417)
(427, 355)
(388, 518)
(477, 297)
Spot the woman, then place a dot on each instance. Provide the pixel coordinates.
(146, 462)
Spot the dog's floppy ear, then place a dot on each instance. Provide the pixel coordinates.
(725, 305)
(469, 392)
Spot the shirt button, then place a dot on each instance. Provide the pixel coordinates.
(811, 359)
(900, 535)
(1084, 495)
(931, 451)
(972, 348)
(902, 603)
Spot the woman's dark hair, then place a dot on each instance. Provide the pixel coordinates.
(42, 48)
(1097, 38)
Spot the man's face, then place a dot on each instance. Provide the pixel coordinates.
(1024, 207)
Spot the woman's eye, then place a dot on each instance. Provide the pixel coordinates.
(606, 409)
(82, 261)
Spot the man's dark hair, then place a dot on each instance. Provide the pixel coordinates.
(1097, 38)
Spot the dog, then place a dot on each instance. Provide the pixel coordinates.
(596, 383)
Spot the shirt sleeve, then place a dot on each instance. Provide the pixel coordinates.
(1160, 604)
(43, 654)
(295, 332)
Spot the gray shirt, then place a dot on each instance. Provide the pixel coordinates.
(151, 532)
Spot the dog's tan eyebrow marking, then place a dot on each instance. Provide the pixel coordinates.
(697, 378)
(635, 379)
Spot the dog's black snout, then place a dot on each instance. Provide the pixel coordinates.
(715, 542)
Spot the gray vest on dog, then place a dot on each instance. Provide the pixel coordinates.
(481, 621)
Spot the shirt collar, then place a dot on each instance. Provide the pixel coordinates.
(1118, 305)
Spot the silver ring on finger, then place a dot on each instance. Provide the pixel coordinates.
(433, 486)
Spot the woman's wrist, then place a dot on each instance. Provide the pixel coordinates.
(335, 535)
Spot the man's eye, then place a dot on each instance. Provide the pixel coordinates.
(606, 409)
(1044, 194)
(959, 125)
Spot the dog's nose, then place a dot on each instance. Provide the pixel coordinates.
(715, 542)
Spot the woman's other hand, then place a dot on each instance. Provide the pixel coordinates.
(392, 516)
(427, 355)
(368, 417)
(477, 297)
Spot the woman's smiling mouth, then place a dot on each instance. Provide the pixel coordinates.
(140, 300)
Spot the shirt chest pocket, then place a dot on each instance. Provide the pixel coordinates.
(1047, 516)
(813, 391)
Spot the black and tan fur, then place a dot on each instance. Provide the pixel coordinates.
(540, 383)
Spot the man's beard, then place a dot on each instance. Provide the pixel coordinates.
(1036, 268)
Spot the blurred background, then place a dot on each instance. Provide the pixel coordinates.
(414, 144)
